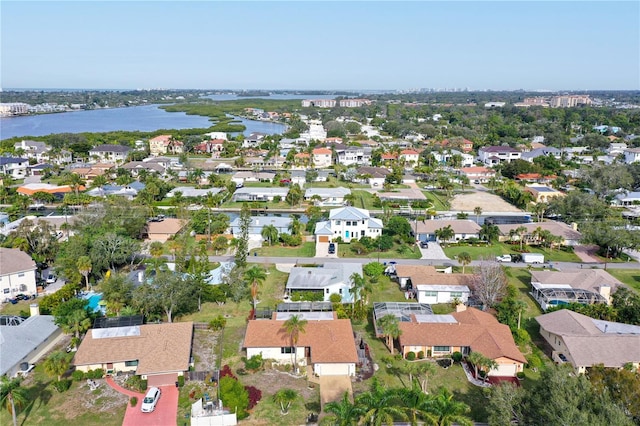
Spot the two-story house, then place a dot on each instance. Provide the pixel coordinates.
(110, 153)
(322, 157)
(17, 273)
(15, 167)
(410, 157)
(348, 223)
(350, 155)
(492, 155)
(631, 155)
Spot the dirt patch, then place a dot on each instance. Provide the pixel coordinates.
(205, 349)
(80, 399)
(488, 203)
(271, 381)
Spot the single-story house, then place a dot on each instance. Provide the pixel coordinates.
(584, 342)
(164, 229)
(569, 234)
(348, 223)
(482, 174)
(374, 176)
(330, 278)
(402, 195)
(258, 223)
(17, 273)
(259, 194)
(463, 229)
(298, 177)
(328, 196)
(468, 330)
(586, 286)
(129, 191)
(441, 288)
(627, 198)
(27, 341)
(542, 193)
(243, 177)
(135, 167)
(32, 188)
(327, 345)
(158, 353)
(190, 191)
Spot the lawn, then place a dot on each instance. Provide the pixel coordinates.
(364, 200)
(630, 277)
(307, 249)
(399, 251)
(496, 249)
(438, 199)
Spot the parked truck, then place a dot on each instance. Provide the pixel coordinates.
(533, 258)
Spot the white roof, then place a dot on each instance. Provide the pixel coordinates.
(349, 213)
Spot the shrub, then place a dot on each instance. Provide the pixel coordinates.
(133, 401)
(255, 395)
(136, 383)
(421, 355)
(520, 375)
(62, 385)
(457, 356)
(98, 373)
(226, 372)
(78, 375)
(181, 381)
(534, 361)
(254, 363)
(411, 356)
(521, 336)
(234, 395)
(218, 323)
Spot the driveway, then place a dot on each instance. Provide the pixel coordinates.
(332, 388)
(322, 250)
(434, 252)
(166, 411)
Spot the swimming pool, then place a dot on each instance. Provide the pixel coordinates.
(94, 301)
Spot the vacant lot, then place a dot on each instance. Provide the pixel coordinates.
(488, 202)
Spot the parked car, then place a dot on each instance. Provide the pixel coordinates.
(332, 248)
(22, 297)
(150, 400)
(51, 278)
(562, 357)
(424, 244)
(504, 258)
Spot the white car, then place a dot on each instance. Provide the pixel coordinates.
(51, 279)
(504, 258)
(150, 400)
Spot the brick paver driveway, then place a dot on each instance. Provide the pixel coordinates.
(165, 413)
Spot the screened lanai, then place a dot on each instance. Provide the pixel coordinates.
(401, 310)
(553, 296)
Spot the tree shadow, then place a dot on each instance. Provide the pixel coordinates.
(38, 395)
(476, 400)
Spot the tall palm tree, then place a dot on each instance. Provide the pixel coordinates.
(295, 226)
(269, 233)
(57, 364)
(84, 267)
(521, 231)
(294, 326)
(447, 411)
(464, 259)
(416, 404)
(12, 396)
(477, 211)
(74, 181)
(342, 413)
(77, 322)
(380, 405)
(284, 398)
(256, 276)
(389, 325)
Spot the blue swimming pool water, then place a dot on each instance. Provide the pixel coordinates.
(94, 300)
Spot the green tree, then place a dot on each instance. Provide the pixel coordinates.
(390, 328)
(416, 404)
(380, 405)
(477, 211)
(295, 195)
(285, 397)
(445, 234)
(256, 276)
(622, 385)
(293, 327)
(56, 364)
(77, 323)
(242, 247)
(220, 243)
(342, 412)
(84, 267)
(269, 233)
(489, 232)
(464, 259)
(447, 411)
(234, 396)
(12, 396)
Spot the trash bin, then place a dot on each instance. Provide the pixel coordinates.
(177, 384)
(255, 253)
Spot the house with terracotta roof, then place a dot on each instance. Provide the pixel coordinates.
(165, 144)
(584, 342)
(389, 157)
(535, 178)
(159, 353)
(213, 146)
(410, 157)
(425, 230)
(17, 273)
(164, 229)
(460, 143)
(322, 157)
(32, 188)
(543, 193)
(326, 345)
(475, 173)
(469, 330)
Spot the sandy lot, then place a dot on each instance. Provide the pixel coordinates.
(488, 203)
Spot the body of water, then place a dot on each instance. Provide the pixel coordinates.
(278, 97)
(145, 118)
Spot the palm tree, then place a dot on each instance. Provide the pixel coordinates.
(76, 323)
(477, 211)
(74, 181)
(56, 364)
(269, 233)
(342, 413)
(425, 369)
(285, 397)
(99, 181)
(84, 267)
(256, 276)
(294, 326)
(350, 199)
(447, 411)
(295, 226)
(416, 404)
(12, 396)
(445, 234)
(476, 358)
(521, 231)
(464, 259)
(390, 328)
(380, 405)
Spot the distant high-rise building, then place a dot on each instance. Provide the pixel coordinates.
(568, 101)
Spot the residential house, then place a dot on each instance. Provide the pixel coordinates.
(89, 172)
(326, 345)
(626, 199)
(165, 144)
(586, 286)
(410, 157)
(585, 342)
(258, 223)
(217, 135)
(32, 188)
(39, 169)
(214, 147)
(374, 176)
(425, 230)
(388, 158)
(16, 167)
(631, 155)
(568, 233)
(328, 279)
(427, 285)
(333, 141)
(616, 148)
(259, 194)
(135, 167)
(445, 156)
(26, 341)
(129, 191)
(322, 157)
(403, 273)
(540, 152)
(348, 223)
(298, 177)
(244, 177)
(535, 178)
(463, 144)
(110, 153)
(482, 174)
(469, 330)
(192, 192)
(492, 155)
(328, 196)
(17, 273)
(352, 155)
(253, 140)
(158, 353)
(542, 193)
(316, 131)
(33, 149)
(164, 229)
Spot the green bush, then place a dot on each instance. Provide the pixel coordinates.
(78, 375)
(533, 360)
(233, 394)
(457, 356)
(521, 336)
(218, 323)
(520, 375)
(421, 355)
(411, 356)
(136, 383)
(133, 401)
(62, 385)
(181, 381)
(254, 363)
(98, 373)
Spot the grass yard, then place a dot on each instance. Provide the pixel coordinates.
(399, 251)
(307, 249)
(630, 277)
(496, 249)
(364, 200)
(438, 199)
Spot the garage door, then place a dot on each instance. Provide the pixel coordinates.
(323, 238)
(162, 379)
(505, 370)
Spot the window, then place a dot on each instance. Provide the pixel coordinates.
(431, 294)
(457, 294)
(6, 291)
(327, 291)
(21, 275)
(348, 223)
(442, 348)
(131, 363)
(337, 222)
(286, 350)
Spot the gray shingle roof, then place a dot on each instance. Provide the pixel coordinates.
(16, 342)
(14, 260)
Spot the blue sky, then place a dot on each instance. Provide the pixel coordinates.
(321, 45)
